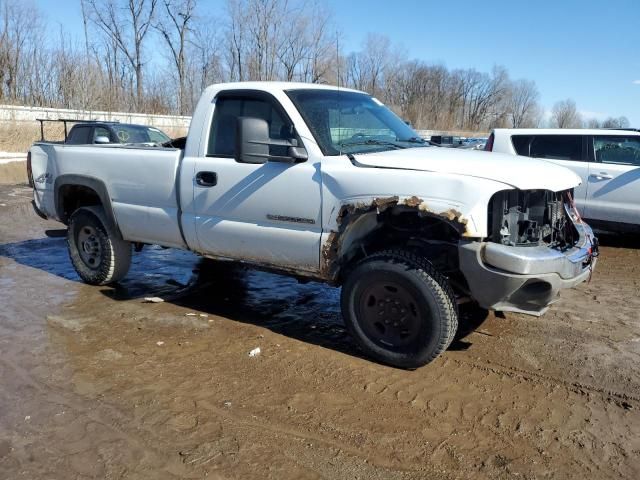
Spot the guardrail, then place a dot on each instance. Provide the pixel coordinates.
(16, 113)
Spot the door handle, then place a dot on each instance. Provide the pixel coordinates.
(207, 179)
(601, 176)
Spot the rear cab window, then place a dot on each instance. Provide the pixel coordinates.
(79, 135)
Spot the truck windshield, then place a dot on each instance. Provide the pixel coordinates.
(344, 122)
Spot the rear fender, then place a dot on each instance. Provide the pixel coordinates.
(92, 183)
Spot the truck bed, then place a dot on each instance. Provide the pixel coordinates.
(141, 186)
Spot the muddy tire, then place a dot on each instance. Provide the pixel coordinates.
(400, 310)
(98, 253)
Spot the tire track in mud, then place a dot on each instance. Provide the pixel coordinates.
(100, 413)
(621, 398)
(45, 395)
(287, 433)
(498, 422)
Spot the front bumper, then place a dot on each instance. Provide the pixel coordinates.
(525, 279)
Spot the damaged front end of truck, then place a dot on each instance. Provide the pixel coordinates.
(537, 245)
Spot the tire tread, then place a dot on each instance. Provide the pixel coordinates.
(119, 250)
(435, 281)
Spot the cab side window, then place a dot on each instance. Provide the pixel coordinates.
(79, 135)
(101, 132)
(617, 149)
(222, 136)
(559, 147)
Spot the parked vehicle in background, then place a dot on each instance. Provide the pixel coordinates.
(607, 161)
(88, 132)
(474, 143)
(328, 184)
(445, 141)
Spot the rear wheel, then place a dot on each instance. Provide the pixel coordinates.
(399, 308)
(98, 253)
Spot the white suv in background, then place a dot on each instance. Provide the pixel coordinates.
(608, 161)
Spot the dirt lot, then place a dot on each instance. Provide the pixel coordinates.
(13, 172)
(89, 391)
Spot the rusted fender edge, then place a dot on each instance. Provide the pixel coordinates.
(330, 261)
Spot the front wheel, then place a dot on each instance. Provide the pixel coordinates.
(98, 254)
(400, 310)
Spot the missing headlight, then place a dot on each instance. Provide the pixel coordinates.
(530, 218)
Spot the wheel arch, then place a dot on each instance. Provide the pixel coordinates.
(366, 229)
(75, 191)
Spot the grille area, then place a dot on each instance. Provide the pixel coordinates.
(531, 218)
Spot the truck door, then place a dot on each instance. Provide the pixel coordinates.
(614, 179)
(267, 213)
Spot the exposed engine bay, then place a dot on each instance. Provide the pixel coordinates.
(532, 218)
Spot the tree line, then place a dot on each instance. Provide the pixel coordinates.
(156, 56)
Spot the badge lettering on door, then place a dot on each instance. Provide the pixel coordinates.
(284, 218)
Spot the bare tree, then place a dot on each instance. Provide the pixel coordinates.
(565, 115)
(305, 42)
(368, 66)
(205, 64)
(20, 36)
(266, 19)
(175, 29)
(422, 94)
(620, 122)
(522, 104)
(127, 23)
(236, 38)
(480, 95)
(321, 39)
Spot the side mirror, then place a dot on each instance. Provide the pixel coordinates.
(101, 140)
(253, 144)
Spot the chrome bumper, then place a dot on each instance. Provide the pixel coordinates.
(525, 279)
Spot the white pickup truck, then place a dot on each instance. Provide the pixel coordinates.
(327, 183)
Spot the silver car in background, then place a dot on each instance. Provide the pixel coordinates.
(608, 161)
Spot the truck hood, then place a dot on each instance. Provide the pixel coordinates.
(519, 172)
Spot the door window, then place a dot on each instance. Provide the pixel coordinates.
(559, 147)
(222, 137)
(617, 149)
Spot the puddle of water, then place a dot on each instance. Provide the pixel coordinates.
(308, 311)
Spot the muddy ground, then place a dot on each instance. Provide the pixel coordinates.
(88, 391)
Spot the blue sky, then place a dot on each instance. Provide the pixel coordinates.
(587, 50)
